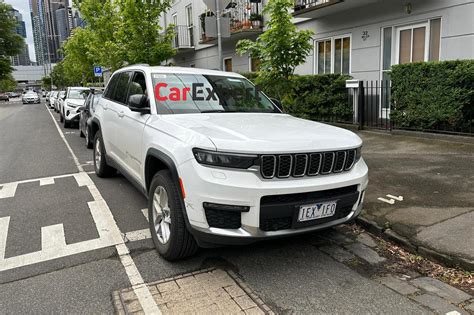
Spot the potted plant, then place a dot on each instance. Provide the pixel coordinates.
(256, 20)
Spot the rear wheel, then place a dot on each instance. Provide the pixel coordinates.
(67, 124)
(61, 119)
(102, 169)
(166, 218)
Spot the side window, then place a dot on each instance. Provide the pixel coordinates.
(121, 89)
(109, 92)
(138, 84)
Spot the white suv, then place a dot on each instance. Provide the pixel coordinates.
(69, 105)
(219, 162)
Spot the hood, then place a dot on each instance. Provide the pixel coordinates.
(75, 101)
(265, 133)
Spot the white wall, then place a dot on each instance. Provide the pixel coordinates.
(457, 33)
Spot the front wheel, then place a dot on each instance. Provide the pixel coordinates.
(88, 139)
(102, 169)
(166, 218)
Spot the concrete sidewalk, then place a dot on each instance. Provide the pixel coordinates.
(421, 193)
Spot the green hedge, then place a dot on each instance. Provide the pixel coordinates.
(433, 95)
(316, 97)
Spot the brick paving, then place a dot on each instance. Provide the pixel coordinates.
(203, 292)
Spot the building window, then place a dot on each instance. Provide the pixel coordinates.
(435, 38)
(228, 64)
(333, 55)
(420, 42)
(254, 64)
(190, 24)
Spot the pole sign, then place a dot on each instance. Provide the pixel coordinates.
(97, 71)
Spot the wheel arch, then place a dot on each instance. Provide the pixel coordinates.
(156, 161)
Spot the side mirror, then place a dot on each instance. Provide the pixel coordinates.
(139, 103)
(277, 103)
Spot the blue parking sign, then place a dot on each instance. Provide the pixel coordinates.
(97, 71)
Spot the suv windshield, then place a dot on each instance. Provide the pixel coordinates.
(196, 93)
(78, 94)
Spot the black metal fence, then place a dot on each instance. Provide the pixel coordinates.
(372, 106)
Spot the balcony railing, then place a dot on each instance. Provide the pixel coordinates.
(312, 4)
(184, 37)
(244, 16)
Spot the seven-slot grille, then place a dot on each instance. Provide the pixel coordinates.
(310, 164)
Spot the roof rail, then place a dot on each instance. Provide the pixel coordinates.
(138, 64)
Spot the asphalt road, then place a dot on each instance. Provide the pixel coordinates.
(58, 260)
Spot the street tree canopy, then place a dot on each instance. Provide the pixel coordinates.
(8, 83)
(10, 42)
(282, 47)
(116, 33)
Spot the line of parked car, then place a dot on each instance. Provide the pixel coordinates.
(76, 106)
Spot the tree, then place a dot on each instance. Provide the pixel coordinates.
(46, 82)
(58, 76)
(8, 83)
(282, 47)
(120, 32)
(10, 42)
(139, 31)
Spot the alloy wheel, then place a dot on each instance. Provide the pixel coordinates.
(98, 153)
(161, 215)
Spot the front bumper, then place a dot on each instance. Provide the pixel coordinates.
(30, 101)
(246, 188)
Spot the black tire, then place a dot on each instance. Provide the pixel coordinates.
(102, 169)
(181, 243)
(67, 124)
(61, 119)
(89, 143)
(81, 134)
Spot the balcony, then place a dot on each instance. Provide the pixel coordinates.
(184, 38)
(318, 8)
(244, 18)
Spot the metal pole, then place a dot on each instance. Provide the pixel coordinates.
(219, 40)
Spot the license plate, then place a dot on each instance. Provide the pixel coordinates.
(317, 211)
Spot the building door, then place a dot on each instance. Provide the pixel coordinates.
(228, 64)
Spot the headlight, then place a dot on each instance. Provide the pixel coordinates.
(231, 160)
(358, 154)
(71, 105)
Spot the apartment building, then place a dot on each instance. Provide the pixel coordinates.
(363, 38)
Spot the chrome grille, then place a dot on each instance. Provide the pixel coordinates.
(306, 164)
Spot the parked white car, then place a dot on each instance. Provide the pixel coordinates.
(219, 162)
(59, 99)
(30, 97)
(74, 98)
(52, 98)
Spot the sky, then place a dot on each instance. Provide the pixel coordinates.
(24, 7)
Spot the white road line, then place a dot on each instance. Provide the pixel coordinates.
(83, 179)
(399, 198)
(390, 201)
(8, 190)
(46, 181)
(137, 235)
(4, 223)
(38, 179)
(145, 213)
(52, 237)
(105, 216)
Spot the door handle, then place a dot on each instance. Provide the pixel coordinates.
(121, 114)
